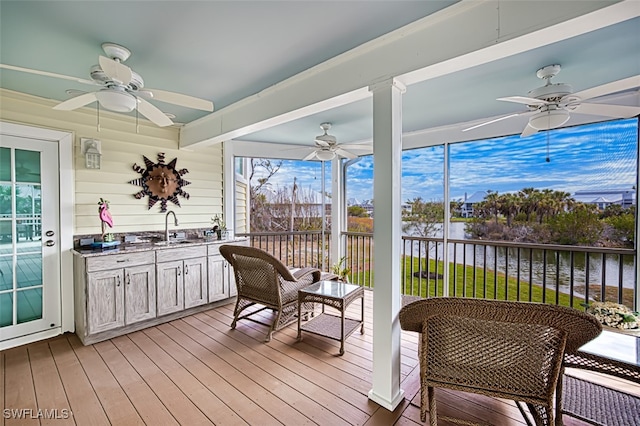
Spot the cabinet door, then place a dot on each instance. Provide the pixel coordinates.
(170, 288)
(105, 300)
(230, 278)
(140, 293)
(195, 282)
(217, 272)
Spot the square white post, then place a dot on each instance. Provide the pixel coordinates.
(387, 221)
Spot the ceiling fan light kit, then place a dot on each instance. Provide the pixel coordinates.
(116, 100)
(325, 155)
(549, 119)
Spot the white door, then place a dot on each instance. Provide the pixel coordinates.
(29, 237)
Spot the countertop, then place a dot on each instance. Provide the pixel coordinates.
(137, 247)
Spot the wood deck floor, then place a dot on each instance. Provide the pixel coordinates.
(197, 371)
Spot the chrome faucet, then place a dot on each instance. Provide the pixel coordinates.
(166, 224)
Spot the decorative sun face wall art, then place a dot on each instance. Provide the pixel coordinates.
(161, 182)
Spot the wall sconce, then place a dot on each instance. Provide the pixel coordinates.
(91, 148)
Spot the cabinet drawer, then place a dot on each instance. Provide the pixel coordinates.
(167, 255)
(213, 249)
(112, 261)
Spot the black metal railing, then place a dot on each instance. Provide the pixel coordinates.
(298, 249)
(554, 274)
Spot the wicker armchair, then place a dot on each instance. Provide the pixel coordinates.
(264, 280)
(511, 350)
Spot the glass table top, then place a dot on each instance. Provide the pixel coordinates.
(335, 289)
(618, 346)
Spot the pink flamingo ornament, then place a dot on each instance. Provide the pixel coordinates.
(105, 216)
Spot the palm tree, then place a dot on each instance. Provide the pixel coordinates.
(509, 205)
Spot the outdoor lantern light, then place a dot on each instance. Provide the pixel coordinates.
(91, 151)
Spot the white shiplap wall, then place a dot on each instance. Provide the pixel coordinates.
(121, 148)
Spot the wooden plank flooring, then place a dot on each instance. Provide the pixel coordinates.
(197, 371)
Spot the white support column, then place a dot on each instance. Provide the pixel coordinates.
(338, 210)
(229, 187)
(387, 172)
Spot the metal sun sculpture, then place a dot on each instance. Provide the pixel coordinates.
(161, 182)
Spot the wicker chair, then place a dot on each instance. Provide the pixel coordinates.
(264, 280)
(511, 350)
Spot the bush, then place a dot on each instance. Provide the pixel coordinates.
(577, 227)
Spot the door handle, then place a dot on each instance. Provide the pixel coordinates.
(186, 269)
(50, 243)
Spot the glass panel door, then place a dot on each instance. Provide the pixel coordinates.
(29, 258)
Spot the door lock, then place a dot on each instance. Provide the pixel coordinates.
(50, 243)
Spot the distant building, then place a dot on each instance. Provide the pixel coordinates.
(602, 198)
(466, 209)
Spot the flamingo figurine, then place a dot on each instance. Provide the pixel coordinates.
(105, 216)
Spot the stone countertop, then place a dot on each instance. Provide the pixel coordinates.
(138, 247)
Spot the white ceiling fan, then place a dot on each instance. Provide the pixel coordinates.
(327, 147)
(122, 89)
(550, 106)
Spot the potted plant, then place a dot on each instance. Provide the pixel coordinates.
(341, 269)
(614, 315)
(219, 227)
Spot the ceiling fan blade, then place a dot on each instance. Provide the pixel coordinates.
(76, 102)
(115, 70)
(153, 113)
(309, 156)
(344, 153)
(528, 130)
(504, 117)
(524, 100)
(322, 143)
(48, 74)
(613, 87)
(617, 111)
(182, 100)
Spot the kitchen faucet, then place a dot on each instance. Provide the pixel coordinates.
(166, 224)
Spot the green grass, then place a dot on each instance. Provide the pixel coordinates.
(497, 286)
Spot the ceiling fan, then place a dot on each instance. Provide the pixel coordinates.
(122, 89)
(327, 147)
(550, 106)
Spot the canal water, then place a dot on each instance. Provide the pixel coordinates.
(558, 263)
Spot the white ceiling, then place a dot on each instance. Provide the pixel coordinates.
(226, 51)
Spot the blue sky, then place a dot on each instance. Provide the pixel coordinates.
(595, 156)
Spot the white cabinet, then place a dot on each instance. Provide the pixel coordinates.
(181, 283)
(105, 296)
(120, 290)
(218, 281)
(170, 287)
(195, 282)
(139, 293)
(222, 282)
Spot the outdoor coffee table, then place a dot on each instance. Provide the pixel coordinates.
(338, 295)
(610, 353)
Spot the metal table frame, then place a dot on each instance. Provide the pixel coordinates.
(335, 294)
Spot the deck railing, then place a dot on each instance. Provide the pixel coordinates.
(555, 274)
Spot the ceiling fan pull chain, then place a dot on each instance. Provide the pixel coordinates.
(548, 158)
(137, 125)
(98, 115)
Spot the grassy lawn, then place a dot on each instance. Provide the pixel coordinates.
(466, 285)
